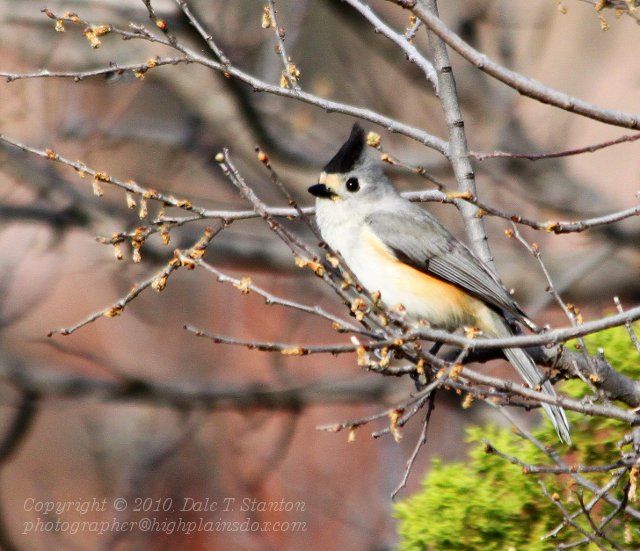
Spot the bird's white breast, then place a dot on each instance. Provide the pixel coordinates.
(424, 297)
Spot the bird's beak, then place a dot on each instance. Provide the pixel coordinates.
(321, 190)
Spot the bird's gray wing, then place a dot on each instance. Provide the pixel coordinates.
(421, 241)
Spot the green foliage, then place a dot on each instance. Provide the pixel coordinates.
(490, 504)
(485, 503)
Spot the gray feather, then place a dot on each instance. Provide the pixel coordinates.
(528, 370)
(421, 241)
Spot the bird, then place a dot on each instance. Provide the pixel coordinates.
(399, 250)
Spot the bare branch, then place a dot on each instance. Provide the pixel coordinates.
(546, 469)
(458, 149)
(186, 396)
(412, 53)
(632, 333)
(524, 85)
(100, 177)
(557, 227)
(422, 440)
(291, 349)
(572, 314)
(555, 154)
(207, 37)
(551, 337)
(290, 72)
(258, 85)
(597, 530)
(246, 286)
(415, 402)
(157, 281)
(569, 519)
(581, 406)
(598, 492)
(114, 68)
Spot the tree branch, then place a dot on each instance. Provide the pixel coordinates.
(458, 150)
(524, 85)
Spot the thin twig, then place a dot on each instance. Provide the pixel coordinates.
(572, 314)
(207, 37)
(555, 154)
(422, 440)
(569, 518)
(138, 69)
(157, 281)
(246, 285)
(403, 42)
(258, 85)
(601, 493)
(161, 24)
(289, 71)
(528, 468)
(279, 184)
(292, 349)
(297, 247)
(411, 31)
(441, 379)
(415, 401)
(598, 492)
(558, 227)
(632, 333)
(597, 530)
(104, 178)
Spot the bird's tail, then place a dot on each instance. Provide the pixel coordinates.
(528, 370)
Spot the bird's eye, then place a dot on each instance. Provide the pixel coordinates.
(353, 185)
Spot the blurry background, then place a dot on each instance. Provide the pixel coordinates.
(163, 132)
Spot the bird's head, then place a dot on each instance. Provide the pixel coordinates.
(352, 175)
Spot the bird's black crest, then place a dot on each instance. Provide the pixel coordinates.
(347, 156)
